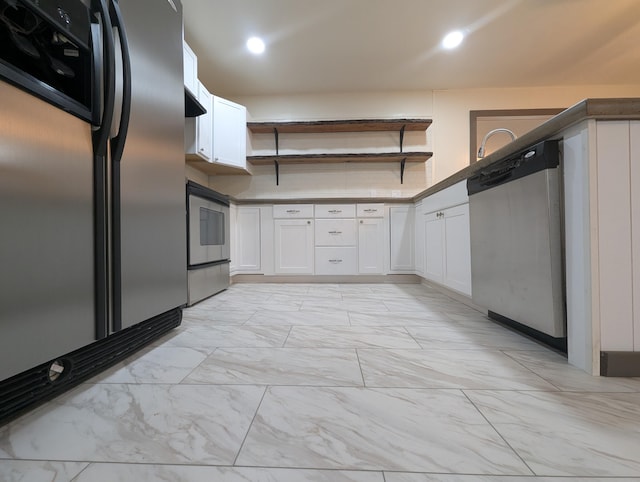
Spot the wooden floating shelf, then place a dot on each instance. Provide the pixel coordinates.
(335, 158)
(331, 126)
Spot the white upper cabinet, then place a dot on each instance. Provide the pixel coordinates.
(198, 130)
(229, 133)
(190, 69)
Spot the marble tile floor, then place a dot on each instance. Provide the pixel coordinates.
(333, 382)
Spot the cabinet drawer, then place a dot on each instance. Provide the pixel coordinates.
(336, 232)
(285, 211)
(335, 211)
(370, 210)
(338, 260)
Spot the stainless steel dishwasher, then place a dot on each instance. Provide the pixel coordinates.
(516, 242)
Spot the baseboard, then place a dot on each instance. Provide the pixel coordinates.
(389, 278)
(620, 363)
(456, 295)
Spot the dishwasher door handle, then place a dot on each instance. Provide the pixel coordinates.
(494, 180)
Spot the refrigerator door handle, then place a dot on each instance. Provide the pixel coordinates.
(108, 78)
(119, 140)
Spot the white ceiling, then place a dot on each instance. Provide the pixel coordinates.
(319, 46)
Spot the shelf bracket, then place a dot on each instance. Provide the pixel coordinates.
(402, 163)
(277, 166)
(275, 134)
(402, 136)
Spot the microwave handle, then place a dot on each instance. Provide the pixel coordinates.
(100, 135)
(119, 140)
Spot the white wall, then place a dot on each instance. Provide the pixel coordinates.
(341, 179)
(451, 114)
(447, 137)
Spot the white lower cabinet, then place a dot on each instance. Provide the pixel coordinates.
(293, 240)
(447, 248)
(247, 239)
(371, 237)
(419, 239)
(402, 238)
(335, 232)
(434, 247)
(335, 260)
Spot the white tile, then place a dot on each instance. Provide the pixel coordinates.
(556, 370)
(375, 429)
(283, 366)
(177, 473)
(213, 317)
(39, 471)
(350, 337)
(300, 318)
(471, 369)
(466, 337)
(399, 318)
(405, 477)
(568, 433)
(360, 305)
(157, 364)
(209, 338)
(136, 423)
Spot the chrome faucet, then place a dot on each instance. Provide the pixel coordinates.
(489, 134)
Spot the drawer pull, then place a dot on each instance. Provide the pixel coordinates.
(370, 210)
(335, 261)
(293, 211)
(335, 211)
(335, 233)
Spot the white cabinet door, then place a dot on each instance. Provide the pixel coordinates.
(190, 69)
(204, 134)
(248, 239)
(434, 246)
(447, 248)
(402, 238)
(229, 133)
(293, 246)
(371, 246)
(197, 130)
(419, 244)
(457, 260)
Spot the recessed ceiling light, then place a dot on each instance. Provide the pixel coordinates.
(255, 45)
(452, 39)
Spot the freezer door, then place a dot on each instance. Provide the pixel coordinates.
(46, 232)
(152, 172)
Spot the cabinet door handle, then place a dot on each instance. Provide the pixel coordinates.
(308, 222)
(361, 221)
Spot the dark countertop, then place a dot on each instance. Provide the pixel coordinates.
(604, 109)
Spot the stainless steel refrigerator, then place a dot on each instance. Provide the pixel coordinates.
(92, 193)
